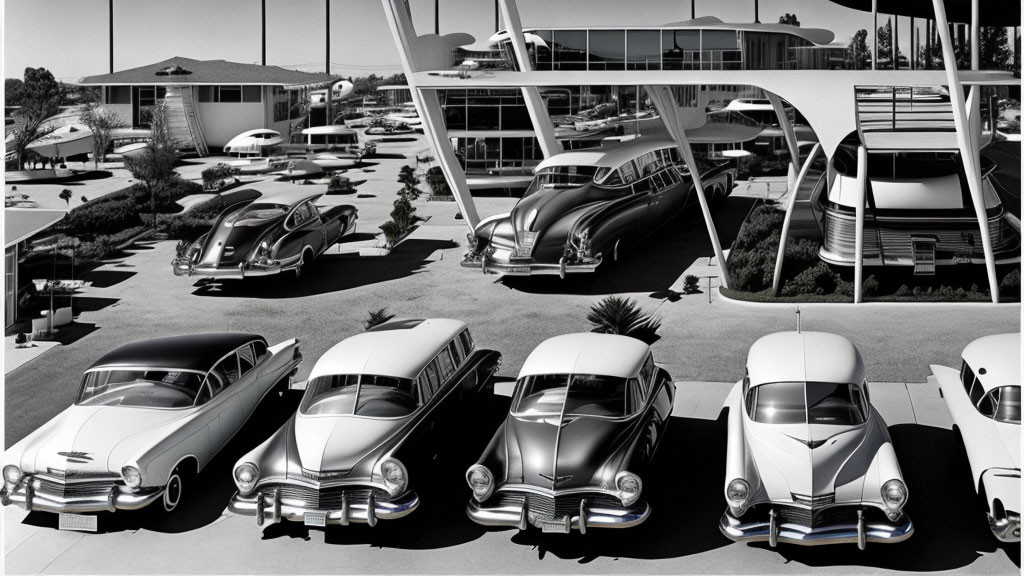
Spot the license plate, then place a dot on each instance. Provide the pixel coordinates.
(518, 270)
(554, 525)
(79, 522)
(961, 259)
(315, 519)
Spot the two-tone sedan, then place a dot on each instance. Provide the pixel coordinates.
(378, 407)
(809, 458)
(588, 413)
(984, 401)
(148, 418)
(585, 207)
(282, 230)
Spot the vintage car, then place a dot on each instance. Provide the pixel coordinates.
(984, 401)
(148, 417)
(919, 213)
(809, 460)
(282, 230)
(378, 407)
(587, 415)
(587, 206)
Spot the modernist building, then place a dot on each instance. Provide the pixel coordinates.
(209, 101)
(20, 224)
(711, 53)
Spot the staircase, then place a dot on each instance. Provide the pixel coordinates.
(183, 119)
(897, 118)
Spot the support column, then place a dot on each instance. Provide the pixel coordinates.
(539, 117)
(861, 198)
(790, 135)
(664, 102)
(781, 256)
(328, 116)
(894, 33)
(968, 153)
(913, 44)
(975, 36)
(874, 34)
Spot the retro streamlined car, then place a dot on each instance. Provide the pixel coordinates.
(984, 401)
(587, 206)
(281, 230)
(148, 417)
(919, 213)
(809, 459)
(377, 408)
(587, 415)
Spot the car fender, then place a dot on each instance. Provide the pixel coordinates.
(271, 456)
(884, 467)
(157, 461)
(1001, 484)
(496, 458)
(23, 453)
(738, 462)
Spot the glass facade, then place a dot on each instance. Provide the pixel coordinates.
(674, 49)
(480, 110)
(498, 155)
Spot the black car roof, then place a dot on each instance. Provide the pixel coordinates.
(185, 352)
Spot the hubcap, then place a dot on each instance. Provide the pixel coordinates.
(172, 495)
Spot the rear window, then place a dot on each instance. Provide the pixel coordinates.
(807, 403)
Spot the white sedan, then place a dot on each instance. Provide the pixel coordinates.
(148, 417)
(984, 400)
(809, 459)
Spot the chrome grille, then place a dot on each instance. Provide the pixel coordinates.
(960, 237)
(320, 476)
(817, 518)
(75, 489)
(814, 501)
(556, 507)
(324, 498)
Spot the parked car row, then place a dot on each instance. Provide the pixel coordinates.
(809, 459)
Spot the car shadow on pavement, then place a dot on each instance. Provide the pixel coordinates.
(686, 503)
(331, 272)
(440, 520)
(950, 529)
(656, 263)
(213, 487)
(107, 278)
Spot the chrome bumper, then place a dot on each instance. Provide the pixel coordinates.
(1005, 529)
(517, 516)
(271, 509)
(183, 267)
(531, 268)
(771, 531)
(25, 496)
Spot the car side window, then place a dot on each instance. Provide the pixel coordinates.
(647, 372)
(246, 359)
(467, 341)
(430, 382)
(966, 377)
(204, 393)
(300, 216)
(445, 365)
(259, 348)
(215, 383)
(456, 351)
(634, 396)
(976, 392)
(988, 403)
(227, 370)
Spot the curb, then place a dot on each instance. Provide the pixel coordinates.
(725, 298)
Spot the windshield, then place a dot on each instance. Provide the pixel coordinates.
(581, 395)
(360, 395)
(257, 214)
(807, 403)
(559, 177)
(142, 388)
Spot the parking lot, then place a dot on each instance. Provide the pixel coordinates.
(703, 344)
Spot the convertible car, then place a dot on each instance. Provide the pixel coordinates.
(377, 408)
(587, 415)
(282, 230)
(149, 416)
(984, 401)
(587, 206)
(809, 459)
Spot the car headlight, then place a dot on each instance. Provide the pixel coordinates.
(246, 474)
(894, 496)
(12, 474)
(628, 486)
(394, 475)
(481, 482)
(737, 494)
(132, 477)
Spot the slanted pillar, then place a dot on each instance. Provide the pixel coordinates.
(429, 108)
(874, 34)
(665, 104)
(790, 135)
(858, 243)
(968, 152)
(781, 256)
(539, 117)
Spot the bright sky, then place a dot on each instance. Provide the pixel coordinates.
(70, 37)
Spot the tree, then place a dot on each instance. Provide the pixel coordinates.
(102, 122)
(790, 19)
(154, 166)
(859, 51)
(13, 92)
(41, 96)
(65, 195)
(995, 48)
(885, 45)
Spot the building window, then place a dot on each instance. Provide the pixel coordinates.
(230, 94)
(607, 49)
(570, 50)
(252, 94)
(679, 46)
(643, 50)
(281, 104)
(119, 94)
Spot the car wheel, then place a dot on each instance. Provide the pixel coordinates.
(303, 260)
(174, 492)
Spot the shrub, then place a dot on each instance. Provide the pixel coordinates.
(615, 315)
(98, 249)
(99, 218)
(1010, 285)
(437, 182)
(392, 233)
(207, 209)
(84, 199)
(870, 286)
(690, 284)
(402, 215)
(819, 279)
(187, 227)
(215, 177)
(903, 291)
(376, 318)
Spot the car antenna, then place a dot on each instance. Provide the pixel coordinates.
(797, 319)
